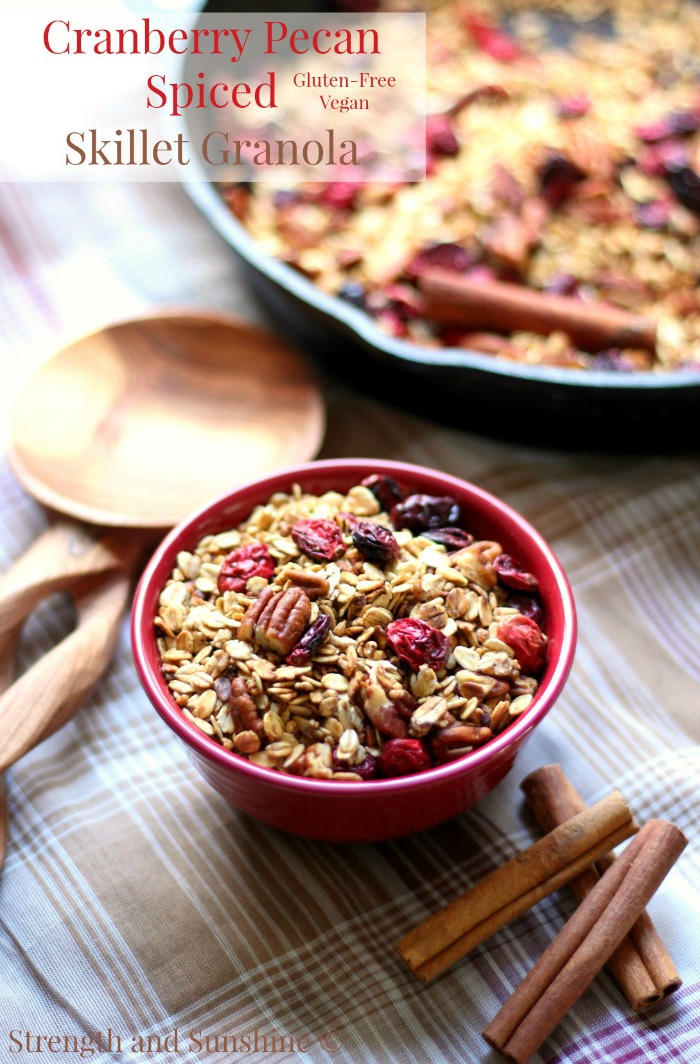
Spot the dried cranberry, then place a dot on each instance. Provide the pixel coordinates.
(685, 121)
(440, 138)
(479, 93)
(417, 643)
(528, 605)
(558, 176)
(524, 636)
(685, 183)
(339, 195)
(375, 542)
(421, 512)
(393, 323)
(561, 284)
(482, 274)
(658, 160)
(653, 132)
(404, 301)
(367, 769)
(676, 124)
(403, 757)
(237, 568)
(512, 574)
(320, 538)
(303, 651)
(573, 106)
(386, 490)
(614, 360)
(452, 335)
(653, 215)
(286, 197)
(492, 40)
(452, 538)
(353, 293)
(446, 256)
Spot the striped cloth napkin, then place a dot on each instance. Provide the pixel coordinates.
(136, 905)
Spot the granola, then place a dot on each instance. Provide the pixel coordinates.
(570, 168)
(334, 638)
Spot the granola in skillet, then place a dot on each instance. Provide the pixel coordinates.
(570, 169)
(351, 636)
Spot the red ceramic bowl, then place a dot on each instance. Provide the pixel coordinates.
(373, 810)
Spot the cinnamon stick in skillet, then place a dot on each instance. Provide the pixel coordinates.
(451, 299)
(641, 964)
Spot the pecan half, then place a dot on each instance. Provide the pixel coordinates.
(282, 621)
(246, 629)
(244, 712)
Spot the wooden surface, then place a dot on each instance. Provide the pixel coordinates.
(140, 423)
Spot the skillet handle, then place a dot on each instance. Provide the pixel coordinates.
(62, 556)
(45, 697)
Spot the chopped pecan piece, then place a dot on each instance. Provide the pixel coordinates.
(383, 713)
(458, 739)
(282, 621)
(403, 701)
(314, 584)
(244, 712)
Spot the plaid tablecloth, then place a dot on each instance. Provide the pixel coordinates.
(135, 901)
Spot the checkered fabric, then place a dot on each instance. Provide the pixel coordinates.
(137, 905)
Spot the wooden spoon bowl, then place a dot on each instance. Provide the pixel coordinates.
(141, 422)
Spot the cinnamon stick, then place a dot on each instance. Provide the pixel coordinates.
(585, 942)
(641, 964)
(494, 901)
(451, 299)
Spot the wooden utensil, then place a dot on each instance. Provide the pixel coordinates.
(132, 427)
(8, 651)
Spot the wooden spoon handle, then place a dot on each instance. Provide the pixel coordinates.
(4, 820)
(53, 689)
(8, 653)
(61, 557)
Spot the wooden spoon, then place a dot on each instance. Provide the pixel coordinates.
(141, 422)
(132, 427)
(8, 651)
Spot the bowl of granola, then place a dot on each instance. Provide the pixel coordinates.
(548, 263)
(354, 650)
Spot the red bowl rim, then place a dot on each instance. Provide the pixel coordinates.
(142, 640)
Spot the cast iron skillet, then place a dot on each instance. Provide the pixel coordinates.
(544, 405)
